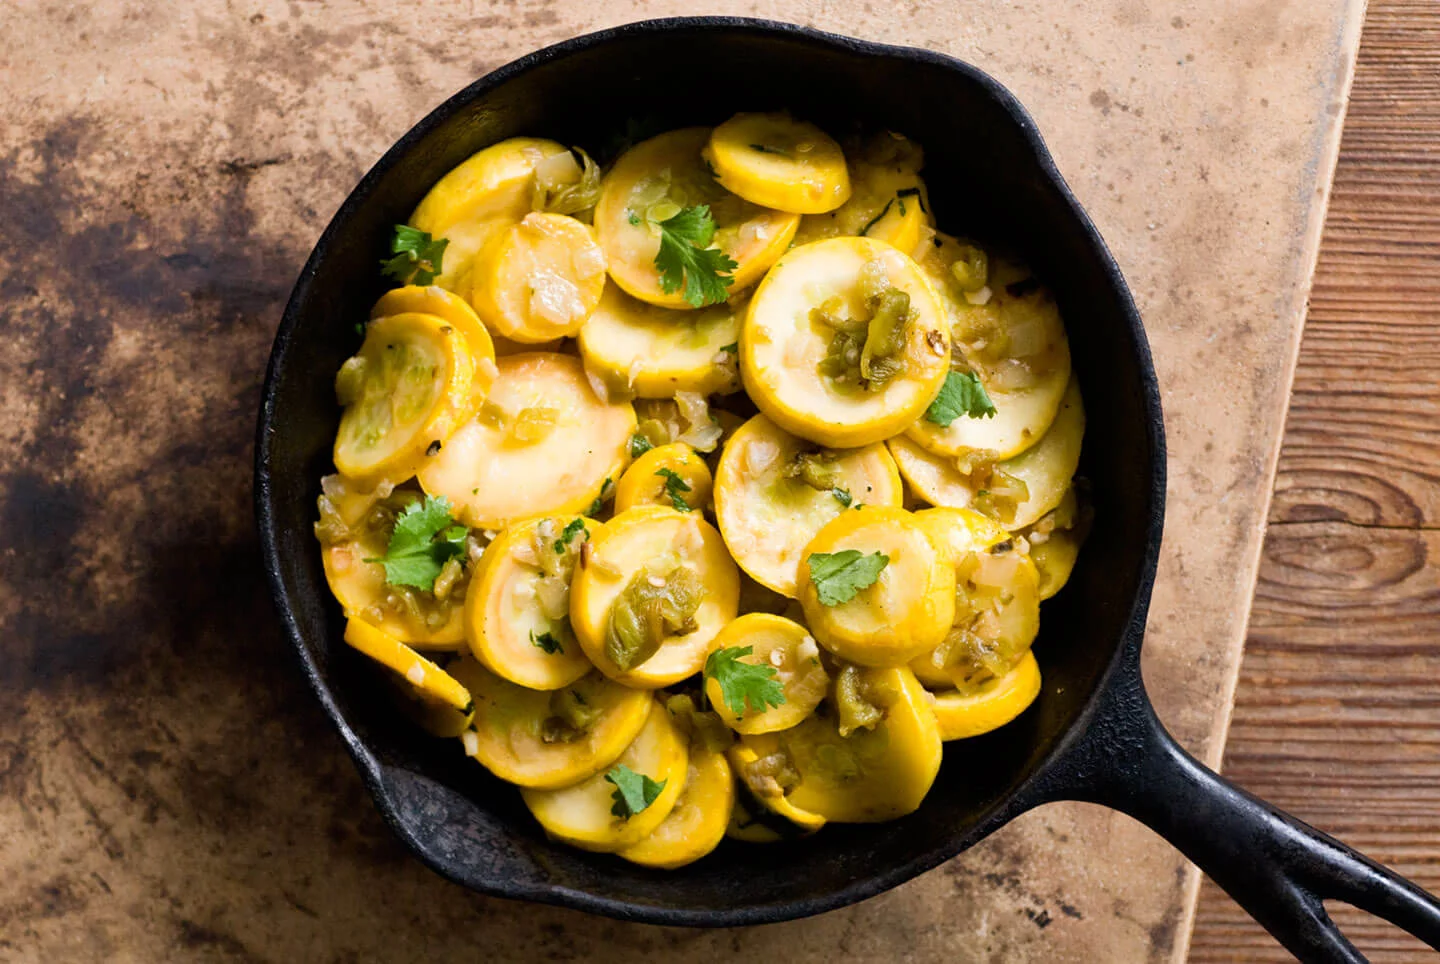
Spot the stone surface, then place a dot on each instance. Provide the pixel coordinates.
(168, 790)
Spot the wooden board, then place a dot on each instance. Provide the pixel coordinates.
(166, 787)
(1337, 715)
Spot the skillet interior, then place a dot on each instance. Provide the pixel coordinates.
(988, 176)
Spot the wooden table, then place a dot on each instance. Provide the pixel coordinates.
(1337, 715)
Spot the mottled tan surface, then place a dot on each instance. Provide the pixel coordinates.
(167, 788)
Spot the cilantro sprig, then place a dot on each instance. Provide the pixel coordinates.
(425, 538)
(744, 685)
(686, 260)
(675, 487)
(962, 394)
(633, 791)
(838, 576)
(842, 495)
(417, 258)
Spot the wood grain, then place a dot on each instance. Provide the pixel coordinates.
(1337, 714)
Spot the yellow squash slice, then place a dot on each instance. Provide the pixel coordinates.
(845, 343)
(1014, 341)
(555, 739)
(959, 532)
(583, 814)
(428, 680)
(542, 443)
(774, 491)
(874, 773)
(356, 526)
(1045, 470)
(760, 764)
(655, 180)
(411, 385)
(491, 190)
(655, 588)
(905, 612)
(646, 482)
(435, 300)
(538, 280)
(788, 649)
(517, 614)
(889, 202)
(997, 616)
(1055, 560)
(961, 714)
(697, 824)
(778, 162)
(656, 352)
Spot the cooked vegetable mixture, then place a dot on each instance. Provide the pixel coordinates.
(704, 493)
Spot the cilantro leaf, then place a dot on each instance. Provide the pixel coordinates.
(424, 539)
(639, 445)
(574, 528)
(633, 791)
(744, 685)
(686, 260)
(607, 489)
(417, 257)
(674, 486)
(962, 394)
(842, 495)
(547, 642)
(838, 576)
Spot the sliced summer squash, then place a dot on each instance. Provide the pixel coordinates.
(551, 739)
(540, 279)
(786, 352)
(656, 352)
(583, 813)
(774, 491)
(643, 562)
(542, 443)
(778, 162)
(905, 612)
(407, 390)
(654, 181)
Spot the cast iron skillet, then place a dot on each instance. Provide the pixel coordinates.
(1091, 735)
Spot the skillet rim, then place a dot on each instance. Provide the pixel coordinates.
(1045, 781)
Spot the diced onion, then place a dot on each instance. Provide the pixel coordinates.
(981, 297)
(471, 741)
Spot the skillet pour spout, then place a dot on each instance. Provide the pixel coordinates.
(1091, 735)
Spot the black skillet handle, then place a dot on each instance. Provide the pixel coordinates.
(1276, 867)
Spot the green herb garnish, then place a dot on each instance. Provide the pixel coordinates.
(547, 642)
(424, 539)
(838, 576)
(418, 258)
(633, 791)
(744, 685)
(675, 486)
(574, 528)
(686, 260)
(962, 394)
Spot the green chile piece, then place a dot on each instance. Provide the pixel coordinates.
(646, 613)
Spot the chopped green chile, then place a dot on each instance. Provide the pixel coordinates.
(866, 351)
(704, 727)
(532, 423)
(852, 705)
(971, 270)
(1000, 493)
(819, 470)
(770, 776)
(647, 613)
(570, 717)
